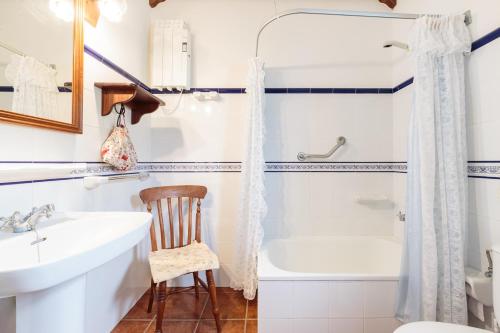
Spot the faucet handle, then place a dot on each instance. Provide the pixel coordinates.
(10, 221)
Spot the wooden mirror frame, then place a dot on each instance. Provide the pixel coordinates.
(77, 86)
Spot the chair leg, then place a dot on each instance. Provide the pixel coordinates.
(196, 285)
(213, 299)
(151, 296)
(162, 295)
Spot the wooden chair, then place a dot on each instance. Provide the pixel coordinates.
(185, 257)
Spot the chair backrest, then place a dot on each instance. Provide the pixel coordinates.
(153, 195)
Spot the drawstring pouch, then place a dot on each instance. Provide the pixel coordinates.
(118, 149)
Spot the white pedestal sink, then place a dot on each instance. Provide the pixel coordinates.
(49, 278)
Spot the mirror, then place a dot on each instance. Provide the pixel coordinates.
(41, 63)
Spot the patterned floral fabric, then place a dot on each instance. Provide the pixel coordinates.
(118, 150)
(168, 264)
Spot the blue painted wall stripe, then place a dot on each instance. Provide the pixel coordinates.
(488, 38)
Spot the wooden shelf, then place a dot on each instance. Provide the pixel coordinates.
(135, 97)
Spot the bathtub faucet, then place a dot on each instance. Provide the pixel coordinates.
(18, 223)
(401, 216)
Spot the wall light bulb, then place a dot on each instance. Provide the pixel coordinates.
(113, 10)
(63, 9)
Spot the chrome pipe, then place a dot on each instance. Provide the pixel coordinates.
(340, 142)
(140, 175)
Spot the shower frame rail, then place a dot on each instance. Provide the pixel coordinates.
(333, 12)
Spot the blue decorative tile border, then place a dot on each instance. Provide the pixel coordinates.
(189, 167)
(335, 167)
(484, 169)
(476, 169)
(488, 38)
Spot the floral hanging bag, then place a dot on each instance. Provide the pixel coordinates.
(118, 149)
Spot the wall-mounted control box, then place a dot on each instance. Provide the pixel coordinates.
(170, 54)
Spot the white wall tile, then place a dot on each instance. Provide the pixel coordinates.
(346, 300)
(380, 325)
(16, 142)
(310, 325)
(310, 299)
(346, 325)
(271, 325)
(380, 298)
(275, 299)
(15, 198)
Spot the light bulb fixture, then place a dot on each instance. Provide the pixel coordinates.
(63, 9)
(113, 10)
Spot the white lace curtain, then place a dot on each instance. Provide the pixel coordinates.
(432, 282)
(252, 204)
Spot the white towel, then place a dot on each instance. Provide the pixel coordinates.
(35, 87)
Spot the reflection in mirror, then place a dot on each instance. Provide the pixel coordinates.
(36, 59)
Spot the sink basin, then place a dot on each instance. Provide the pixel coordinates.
(48, 267)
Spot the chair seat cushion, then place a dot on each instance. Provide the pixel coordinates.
(167, 264)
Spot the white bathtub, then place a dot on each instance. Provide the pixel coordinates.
(331, 285)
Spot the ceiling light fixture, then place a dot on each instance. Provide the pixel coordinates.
(63, 9)
(113, 10)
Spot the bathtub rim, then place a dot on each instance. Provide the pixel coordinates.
(267, 271)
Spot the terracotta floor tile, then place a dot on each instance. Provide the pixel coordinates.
(139, 311)
(175, 326)
(202, 290)
(131, 326)
(231, 306)
(184, 306)
(227, 290)
(228, 326)
(252, 326)
(252, 308)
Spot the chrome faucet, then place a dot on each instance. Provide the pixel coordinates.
(22, 223)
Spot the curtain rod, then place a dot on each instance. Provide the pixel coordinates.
(310, 11)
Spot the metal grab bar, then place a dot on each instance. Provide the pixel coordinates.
(340, 142)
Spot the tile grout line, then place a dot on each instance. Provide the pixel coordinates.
(201, 315)
(150, 323)
(246, 317)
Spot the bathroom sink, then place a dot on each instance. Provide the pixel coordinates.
(67, 246)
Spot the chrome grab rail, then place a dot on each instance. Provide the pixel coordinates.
(340, 142)
(92, 182)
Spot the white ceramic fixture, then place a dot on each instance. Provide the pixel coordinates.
(46, 270)
(434, 327)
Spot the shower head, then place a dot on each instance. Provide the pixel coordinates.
(394, 43)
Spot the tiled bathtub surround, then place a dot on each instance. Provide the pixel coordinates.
(327, 306)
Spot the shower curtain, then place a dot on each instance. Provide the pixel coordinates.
(432, 282)
(252, 204)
